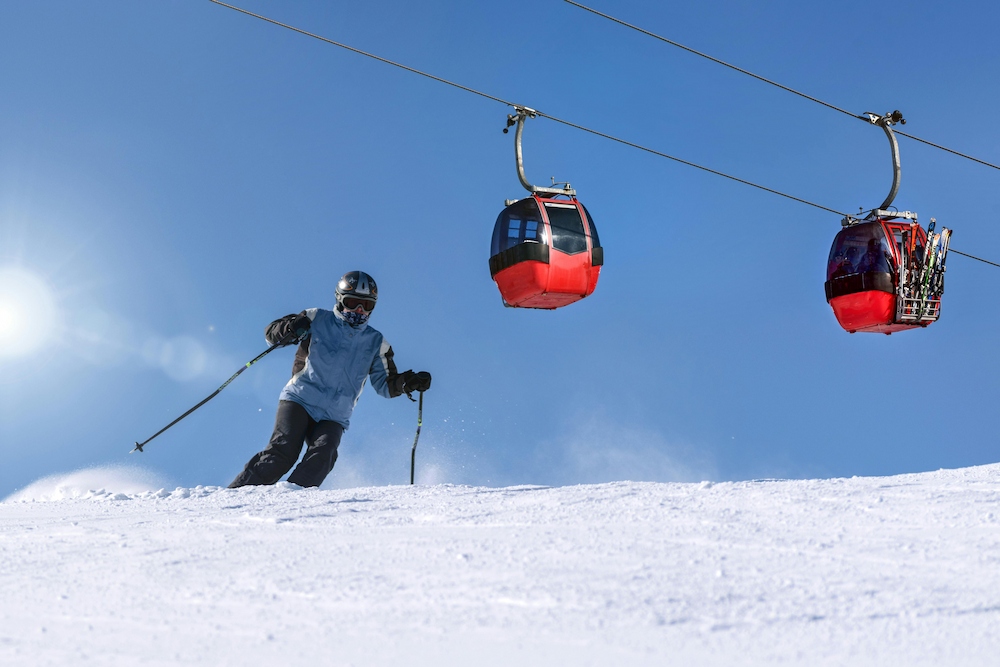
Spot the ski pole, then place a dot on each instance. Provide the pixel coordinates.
(420, 421)
(283, 341)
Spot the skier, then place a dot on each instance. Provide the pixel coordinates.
(337, 353)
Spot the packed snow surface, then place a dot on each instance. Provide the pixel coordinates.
(865, 571)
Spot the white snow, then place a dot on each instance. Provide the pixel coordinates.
(89, 483)
(898, 570)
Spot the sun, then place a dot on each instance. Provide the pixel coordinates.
(27, 312)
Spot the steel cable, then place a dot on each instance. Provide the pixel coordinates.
(566, 122)
(978, 259)
(769, 81)
(512, 104)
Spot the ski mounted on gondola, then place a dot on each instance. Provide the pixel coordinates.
(885, 272)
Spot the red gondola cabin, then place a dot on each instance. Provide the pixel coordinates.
(545, 253)
(882, 278)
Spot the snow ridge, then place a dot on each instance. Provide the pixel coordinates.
(90, 483)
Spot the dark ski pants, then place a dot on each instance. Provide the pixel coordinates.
(292, 427)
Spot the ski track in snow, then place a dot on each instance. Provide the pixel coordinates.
(900, 570)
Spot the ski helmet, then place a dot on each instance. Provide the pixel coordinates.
(356, 288)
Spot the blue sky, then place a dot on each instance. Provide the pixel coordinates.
(177, 175)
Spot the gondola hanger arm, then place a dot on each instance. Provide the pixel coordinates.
(886, 122)
(518, 118)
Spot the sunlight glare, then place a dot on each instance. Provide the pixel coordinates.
(27, 312)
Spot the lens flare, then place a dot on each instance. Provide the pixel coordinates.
(27, 312)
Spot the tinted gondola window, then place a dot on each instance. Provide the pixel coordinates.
(518, 223)
(594, 238)
(859, 249)
(530, 230)
(568, 234)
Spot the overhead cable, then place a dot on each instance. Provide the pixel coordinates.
(512, 104)
(690, 164)
(541, 114)
(769, 81)
(978, 259)
(363, 53)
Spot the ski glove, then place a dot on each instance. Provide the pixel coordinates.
(300, 326)
(416, 381)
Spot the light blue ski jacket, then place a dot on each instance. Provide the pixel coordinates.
(339, 360)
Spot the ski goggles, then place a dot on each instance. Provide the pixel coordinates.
(352, 302)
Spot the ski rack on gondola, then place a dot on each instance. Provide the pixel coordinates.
(902, 260)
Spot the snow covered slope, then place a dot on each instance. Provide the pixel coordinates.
(865, 571)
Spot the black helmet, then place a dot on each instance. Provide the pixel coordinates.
(359, 289)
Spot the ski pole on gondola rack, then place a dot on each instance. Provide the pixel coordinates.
(420, 422)
(287, 339)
